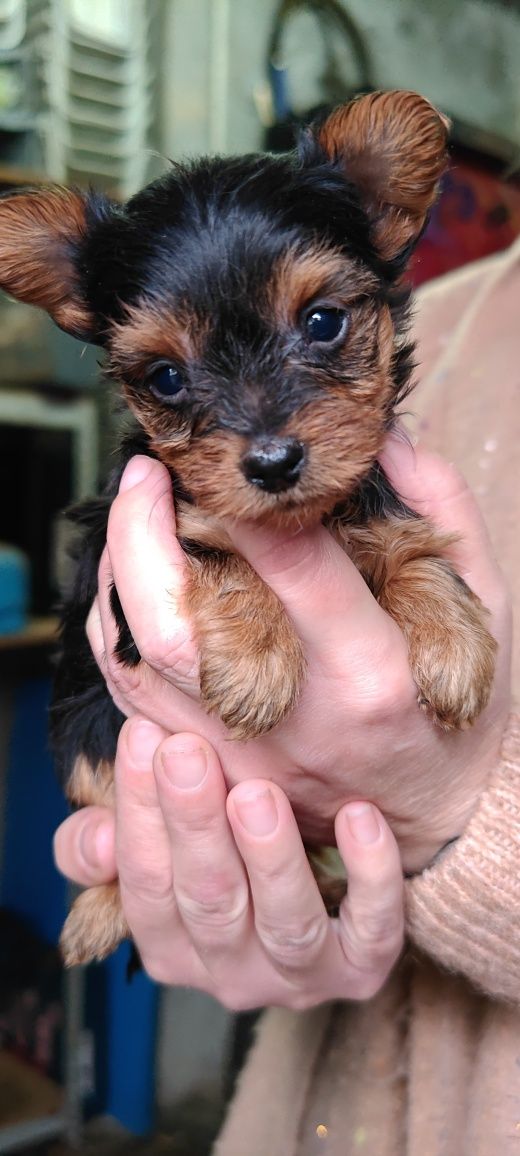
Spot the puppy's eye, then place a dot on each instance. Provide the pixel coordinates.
(325, 325)
(167, 383)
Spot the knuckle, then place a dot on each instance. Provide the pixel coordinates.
(126, 679)
(159, 970)
(200, 821)
(166, 970)
(213, 905)
(235, 1000)
(172, 968)
(295, 946)
(376, 940)
(388, 688)
(147, 887)
(175, 656)
(381, 681)
(368, 984)
(94, 632)
(303, 1000)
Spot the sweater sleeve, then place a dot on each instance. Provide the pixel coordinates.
(464, 910)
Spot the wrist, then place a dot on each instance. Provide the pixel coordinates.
(462, 771)
(462, 909)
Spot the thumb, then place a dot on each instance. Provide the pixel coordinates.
(84, 847)
(314, 579)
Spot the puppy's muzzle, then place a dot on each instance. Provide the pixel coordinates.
(273, 464)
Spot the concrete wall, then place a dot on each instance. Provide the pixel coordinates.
(463, 54)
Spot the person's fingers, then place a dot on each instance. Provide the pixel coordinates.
(318, 957)
(84, 846)
(185, 889)
(139, 689)
(438, 491)
(371, 917)
(94, 631)
(210, 883)
(142, 843)
(101, 632)
(144, 555)
(290, 918)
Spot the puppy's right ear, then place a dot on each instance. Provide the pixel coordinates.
(392, 147)
(41, 236)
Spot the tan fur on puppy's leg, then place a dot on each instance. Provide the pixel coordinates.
(90, 786)
(95, 925)
(251, 662)
(330, 875)
(452, 653)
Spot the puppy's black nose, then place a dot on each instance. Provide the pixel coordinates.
(273, 464)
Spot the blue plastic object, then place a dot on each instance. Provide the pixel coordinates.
(14, 589)
(123, 1015)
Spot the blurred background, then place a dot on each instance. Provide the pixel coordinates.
(103, 92)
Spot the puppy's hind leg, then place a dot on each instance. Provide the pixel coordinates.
(95, 925)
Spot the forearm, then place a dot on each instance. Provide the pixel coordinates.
(464, 911)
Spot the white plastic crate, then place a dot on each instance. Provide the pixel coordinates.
(95, 88)
(12, 24)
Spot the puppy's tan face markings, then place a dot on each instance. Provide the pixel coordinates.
(153, 330)
(340, 419)
(149, 335)
(300, 278)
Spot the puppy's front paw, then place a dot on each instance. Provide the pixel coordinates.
(454, 671)
(94, 927)
(452, 653)
(251, 661)
(252, 684)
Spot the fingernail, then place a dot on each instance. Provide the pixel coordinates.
(136, 471)
(257, 812)
(185, 768)
(363, 823)
(91, 841)
(143, 738)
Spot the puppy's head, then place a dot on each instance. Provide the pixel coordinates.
(249, 306)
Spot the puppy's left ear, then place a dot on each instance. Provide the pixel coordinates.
(392, 147)
(41, 234)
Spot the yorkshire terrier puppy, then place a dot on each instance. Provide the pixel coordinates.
(253, 310)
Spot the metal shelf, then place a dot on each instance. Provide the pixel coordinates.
(78, 415)
(16, 1137)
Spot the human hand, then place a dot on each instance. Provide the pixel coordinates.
(357, 731)
(218, 892)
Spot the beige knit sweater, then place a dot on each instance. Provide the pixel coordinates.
(431, 1066)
